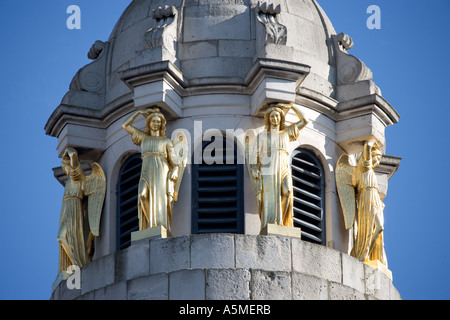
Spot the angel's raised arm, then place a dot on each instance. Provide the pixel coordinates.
(71, 155)
(70, 158)
(127, 125)
(303, 121)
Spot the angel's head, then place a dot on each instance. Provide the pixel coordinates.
(274, 117)
(156, 122)
(376, 156)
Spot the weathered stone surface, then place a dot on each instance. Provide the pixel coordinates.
(394, 294)
(316, 260)
(338, 291)
(169, 254)
(187, 285)
(66, 293)
(116, 291)
(200, 49)
(152, 287)
(271, 285)
(216, 22)
(353, 273)
(225, 67)
(212, 251)
(377, 284)
(306, 287)
(98, 274)
(377, 264)
(263, 252)
(228, 284)
(133, 262)
(236, 48)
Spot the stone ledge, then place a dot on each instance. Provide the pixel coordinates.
(215, 284)
(262, 267)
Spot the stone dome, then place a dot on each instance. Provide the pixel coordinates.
(212, 47)
(218, 41)
(210, 42)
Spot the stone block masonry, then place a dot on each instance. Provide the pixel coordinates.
(228, 267)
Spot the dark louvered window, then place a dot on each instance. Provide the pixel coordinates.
(217, 189)
(127, 195)
(309, 195)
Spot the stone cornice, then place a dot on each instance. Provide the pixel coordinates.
(370, 103)
(153, 72)
(339, 111)
(388, 165)
(262, 67)
(89, 117)
(268, 80)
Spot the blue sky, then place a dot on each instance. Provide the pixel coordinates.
(408, 56)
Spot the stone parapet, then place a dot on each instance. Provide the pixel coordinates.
(228, 267)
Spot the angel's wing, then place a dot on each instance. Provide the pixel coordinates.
(346, 189)
(94, 189)
(180, 157)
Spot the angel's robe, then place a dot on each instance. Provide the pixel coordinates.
(155, 188)
(276, 182)
(369, 207)
(73, 227)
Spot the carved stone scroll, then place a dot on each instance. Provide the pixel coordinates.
(349, 68)
(275, 32)
(164, 32)
(96, 50)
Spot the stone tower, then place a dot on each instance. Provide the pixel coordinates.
(212, 66)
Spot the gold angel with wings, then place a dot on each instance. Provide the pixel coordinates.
(268, 163)
(163, 164)
(361, 203)
(81, 211)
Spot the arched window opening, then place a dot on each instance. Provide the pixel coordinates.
(127, 199)
(217, 191)
(309, 195)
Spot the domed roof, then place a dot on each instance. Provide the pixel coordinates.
(220, 40)
(213, 43)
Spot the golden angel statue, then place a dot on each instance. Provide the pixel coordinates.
(268, 163)
(361, 203)
(81, 211)
(163, 164)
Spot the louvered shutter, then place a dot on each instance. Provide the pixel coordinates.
(127, 199)
(217, 204)
(309, 195)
